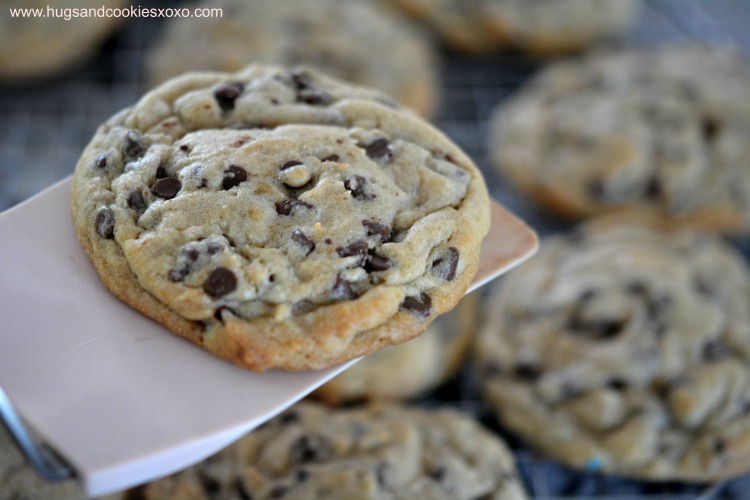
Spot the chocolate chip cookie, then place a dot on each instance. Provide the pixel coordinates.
(357, 40)
(411, 369)
(384, 452)
(42, 46)
(278, 218)
(625, 349)
(540, 26)
(664, 129)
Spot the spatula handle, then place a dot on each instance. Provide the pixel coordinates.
(42, 457)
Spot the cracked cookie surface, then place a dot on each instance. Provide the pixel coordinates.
(383, 452)
(278, 218)
(624, 349)
(663, 129)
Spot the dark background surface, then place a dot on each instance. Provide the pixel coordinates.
(44, 127)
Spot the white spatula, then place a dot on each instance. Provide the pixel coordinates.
(120, 399)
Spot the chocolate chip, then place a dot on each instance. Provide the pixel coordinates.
(356, 185)
(220, 282)
(334, 158)
(136, 202)
(101, 162)
(185, 148)
(720, 445)
(234, 175)
(710, 128)
(382, 472)
(278, 492)
(226, 94)
(133, 147)
(617, 384)
(241, 491)
(446, 265)
(379, 148)
(161, 172)
(166, 188)
(290, 164)
(302, 240)
(526, 371)
(437, 473)
(310, 448)
(600, 329)
(214, 247)
(342, 290)
(289, 417)
(654, 189)
(285, 207)
(715, 350)
(314, 97)
(105, 223)
(358, 249)
(301, 80)
(376, 263)
(421, 306)
(375, 228)
(209, 485)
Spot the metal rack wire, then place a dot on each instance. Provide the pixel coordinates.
(44, 127)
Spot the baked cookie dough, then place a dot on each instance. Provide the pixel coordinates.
(536, 26)
(356, 40)
(41, 47)
(280, 219)
(625, 350)
(384, 452)
(411, 369)
(664, 128)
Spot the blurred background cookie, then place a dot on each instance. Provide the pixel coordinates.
(379, 452)
(356, 40)
(536, 26)
(411, 369)
(37, 47)
(624, 349)
(664, 128)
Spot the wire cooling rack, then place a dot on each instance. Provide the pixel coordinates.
(44, 127)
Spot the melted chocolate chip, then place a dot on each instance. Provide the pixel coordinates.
(290, 164)
(358, 249)
(285, 207)
(289, 417)
(334, 158)
(375, 228)
(234, 175)
(302, 240)
(421, 306)
(220, 282)
(101, 162)
(376, 263)
(446, 265)
(136, 202)
(301, 80)
(315, 97)
(133, 147)
(379, 148)
(310, 448)
(600, 329)
(356, 185)
(342, 290)
(105, 223)
(161, 172)
(166, 188)
(226, 94)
